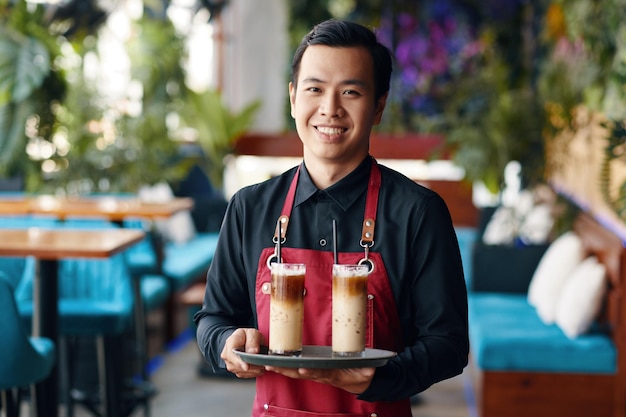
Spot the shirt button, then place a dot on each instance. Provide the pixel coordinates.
(322, 242)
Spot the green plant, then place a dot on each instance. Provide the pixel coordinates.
(102, 145)
(217, 127)
(93, 144)
(615, 150)
(493, 117)
(30, 83)
(36, 40)
(588, 69)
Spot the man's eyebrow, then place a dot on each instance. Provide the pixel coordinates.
(355, 82)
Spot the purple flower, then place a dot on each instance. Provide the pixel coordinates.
(435, 46)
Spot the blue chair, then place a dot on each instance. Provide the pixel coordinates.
(14, 268)
(148, 292)
(25, 360)
(95, 301)
(140, 258)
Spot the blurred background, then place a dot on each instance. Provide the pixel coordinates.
(490, 100)
(110, 95)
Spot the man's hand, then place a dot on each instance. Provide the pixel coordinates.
(353, 380)
(249, 340)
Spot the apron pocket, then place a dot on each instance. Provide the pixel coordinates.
(274, 411)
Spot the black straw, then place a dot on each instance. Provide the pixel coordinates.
(335, 257)
(279, 234)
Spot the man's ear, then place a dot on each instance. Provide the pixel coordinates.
(380, 107)
(292, 99)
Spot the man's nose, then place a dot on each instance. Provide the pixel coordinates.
(331, 106)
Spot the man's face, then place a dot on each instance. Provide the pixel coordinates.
(333, 104)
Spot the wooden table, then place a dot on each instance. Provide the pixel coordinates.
(14, 206)
(113, 208)
(49, 246)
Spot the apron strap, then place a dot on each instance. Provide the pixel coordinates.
(371, 205)
(287, 207)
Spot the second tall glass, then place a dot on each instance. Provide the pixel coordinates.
(349, 314)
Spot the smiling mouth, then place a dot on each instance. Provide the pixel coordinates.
(331, 131)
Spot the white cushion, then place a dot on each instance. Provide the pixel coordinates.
(537, 224)
(501, 228)
(555, 266)
(179, 228)
(582, 298)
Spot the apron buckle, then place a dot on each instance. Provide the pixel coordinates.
(366, 247)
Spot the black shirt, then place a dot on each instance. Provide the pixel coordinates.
(414, 235)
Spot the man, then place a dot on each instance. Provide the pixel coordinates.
(417, 304)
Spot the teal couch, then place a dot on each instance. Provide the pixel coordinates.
(522, 367)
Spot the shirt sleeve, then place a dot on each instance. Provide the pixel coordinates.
(434, 308)
(226, 305)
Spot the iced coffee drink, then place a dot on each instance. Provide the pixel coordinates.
(286, 309)
(349, 309)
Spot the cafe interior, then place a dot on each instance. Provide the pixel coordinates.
(127, 125)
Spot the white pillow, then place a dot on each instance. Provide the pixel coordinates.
(582, 298)
(537, 224)
(555, 266)
(179, 228)
(501, 228)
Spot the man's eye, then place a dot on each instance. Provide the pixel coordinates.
(351, 93)
(313, 89)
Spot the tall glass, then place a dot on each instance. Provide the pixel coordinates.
(286, 309)
(349, 314)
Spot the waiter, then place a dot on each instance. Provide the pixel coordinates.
(417, 303)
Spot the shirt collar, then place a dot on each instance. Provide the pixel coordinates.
(345, 192)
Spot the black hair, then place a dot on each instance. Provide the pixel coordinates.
(341, 33)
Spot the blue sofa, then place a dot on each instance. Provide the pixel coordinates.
(523, 367)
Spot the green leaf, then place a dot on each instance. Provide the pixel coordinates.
(216, 125)
(24, 65)
(12, 138)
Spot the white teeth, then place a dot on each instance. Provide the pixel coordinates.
(330, 130)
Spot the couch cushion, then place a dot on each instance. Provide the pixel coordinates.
(466, 236)
(582, 298)
(155, 289)
(554, 268)
(185, 262)
(506, 334)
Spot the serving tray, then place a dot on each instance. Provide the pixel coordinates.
(318, 357)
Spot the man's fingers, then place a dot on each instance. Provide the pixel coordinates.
(254, 340)
(242, 339)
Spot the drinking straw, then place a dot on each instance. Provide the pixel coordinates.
(335, 241)
(278, 234)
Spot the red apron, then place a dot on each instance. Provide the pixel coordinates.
(279, 396)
